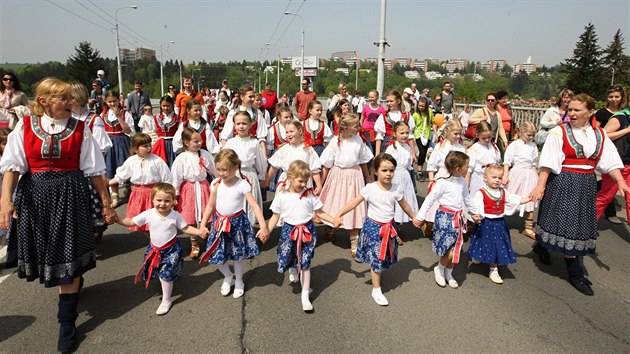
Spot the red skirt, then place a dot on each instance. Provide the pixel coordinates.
(192, 201)
(139, 201)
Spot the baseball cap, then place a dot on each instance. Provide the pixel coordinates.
(100, 72)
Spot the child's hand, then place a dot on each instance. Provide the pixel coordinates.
(505, 180)
(204, 232)
(337, 221)
(263, 234)
(317, 190)
(477, 218)
(417, 223)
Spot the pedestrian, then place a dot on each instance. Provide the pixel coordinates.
(276, 138)
(13, 102)
(97, 97)
(380, 252)
(491, 243)
(345, 172)
(136, 100)
(317, 133)
(451, 194)
(358, 102)
(143, 169)
(166, 125)
(231, 235)
(187, 93)
(146, 122)
(482, 153)
(423, 121)
(100, 76)
(302, 99)
(269, 100)
(343, 106)
(195, 121)
(370, 114)
(505, 110)
(164, 257)
(295, 205)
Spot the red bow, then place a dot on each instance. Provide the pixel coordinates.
(154, 257)
(221, 224)
(387, 232)
(300, 234)
(459, 223)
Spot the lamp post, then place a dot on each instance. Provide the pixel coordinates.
(162, 65)
(302, 64)
(120, 80)
(193, 77)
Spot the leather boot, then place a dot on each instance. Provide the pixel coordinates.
(67, 315)
(529, 229)
(428, 230)
(194, 248)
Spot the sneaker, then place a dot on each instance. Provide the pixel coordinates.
(227, 286)
(614, 219)
(583, 285)
(439, 277)
(293, 275)
(164, 308)
(451, 281)
(495, 277)
(306, 305)
(380, 299)
(239, 290)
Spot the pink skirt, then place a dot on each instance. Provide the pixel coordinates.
(192, 200)
(139, 201)
(522, 182)
(342, 186)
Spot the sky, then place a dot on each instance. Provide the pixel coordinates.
(33, 31)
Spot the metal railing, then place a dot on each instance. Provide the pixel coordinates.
(519, 114)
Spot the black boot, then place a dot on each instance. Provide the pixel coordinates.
(67, 315)
(576, 276)
(543, 254)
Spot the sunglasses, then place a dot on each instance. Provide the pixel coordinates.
(491, 100)
(8, 79)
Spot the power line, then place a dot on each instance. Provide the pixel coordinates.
(289, 25)
(79, 16)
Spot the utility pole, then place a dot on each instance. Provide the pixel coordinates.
(380, 76)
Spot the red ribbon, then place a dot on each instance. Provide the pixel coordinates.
(306, 192)
(154, 257)
(221, 224)
(459, 223)
(300, 234)
(387, 232)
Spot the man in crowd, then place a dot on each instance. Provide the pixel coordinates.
(302, 99)
(136, 100)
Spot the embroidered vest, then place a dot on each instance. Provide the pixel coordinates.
(165, 129)
(277, 137)
(112, 128)
(89, 120)
(389, 123)
(492, 205)
(313, 137)
(52, 152)
(574, 151)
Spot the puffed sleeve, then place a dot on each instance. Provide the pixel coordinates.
(98, 132)
(412, 125)
(212, 145)
(129, 121)
(366, 191)
(476, 202)
(261, 163)
(208, 163)
(178, 145)
(261, 129)
(430, 199)
(549, 118)
(91, 160)
(365, 154)
(434, 159)
(552, 155)
(508, 158)
(244, 187)
(177, 172)
(123, 172)
(277, 203)
(271, 137)
(276, 159)
(14, 156)
(314, 163)
(328, 133)
(330, 153)
(512, 201)
(165, 172)
(610, 159)
(379, 127)
(316, 202)
(228, 127)
(398, 192)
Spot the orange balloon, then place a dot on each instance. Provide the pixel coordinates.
(438, 119)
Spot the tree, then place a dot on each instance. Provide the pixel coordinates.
(615, 59)
(519, 82)
(83, 65)
(584, 71)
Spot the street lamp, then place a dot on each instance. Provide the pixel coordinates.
(120, 80)
(302, 66)
(193, 76)
(162, 64)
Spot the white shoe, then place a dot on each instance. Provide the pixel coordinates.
(306, 305)
(227, 286)
(239, 290)
(495, 277)
(439, 277)
(164, 308)
(474, 261)
(293, 275)
(380, 298)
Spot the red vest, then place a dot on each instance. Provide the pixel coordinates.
(313, 138)
(165, 129)
(492, 206)
(201, 131)
(89, 120)
(112, 128)
(56, 152)
(389, 124)
(574, 152)
(277, 137)
(253, 129)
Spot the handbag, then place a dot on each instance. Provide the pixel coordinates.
(470, 131)
(541, 137)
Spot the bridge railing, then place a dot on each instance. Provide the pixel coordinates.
(519, 114)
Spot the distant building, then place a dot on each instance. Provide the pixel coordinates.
(347, 57)
(494, 65)
(527, 67)
(453, 65)
(412, 74)
(131, 55)
(345, 71)
(433, 75)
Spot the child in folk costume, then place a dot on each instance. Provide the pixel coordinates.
(166, 125)
(317, 134)
(385, 122)
(296, 247)
(231, 234)
(144, 170)
(400, 150)
(245, 103)
(119, 126)
(219, 121)
(164, 257)
(277, 137)
(522, 178)
(343, 106)
(265, 114)
(190, 170)
(490, 242)
(451, 194)
(377, 241)
(345, 170)
(482, 153)
(146, 123)
(252, 157)
(195, 121)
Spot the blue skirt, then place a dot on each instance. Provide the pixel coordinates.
(116, 156)
(275, 178)
(370, 246)
(170, 267)
(444, 234)
(386, 140)
(287, 249)
(491, 243)
(319, 149)
(237, 245)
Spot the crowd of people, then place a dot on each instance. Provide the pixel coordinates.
(206, 162)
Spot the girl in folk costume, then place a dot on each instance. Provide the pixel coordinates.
(245, 103)
(436, 167)
(164, 257)
(345, 170)
(296, 247)
(143, 169)
(522, 177)
(166, 125)
(401, 152)
(277, 137)
(370, 114)
(377, 242)
(219, 121)
(482, 153)
(295, 150)
(190, 170)
(258, 105)
(450, 192)
(343, 106)
(231, 234)
(195, 121)
(316, 133)
(252, 157)
(119, 126)
(490, 242)
(385, 122)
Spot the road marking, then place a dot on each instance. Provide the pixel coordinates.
(4, 273)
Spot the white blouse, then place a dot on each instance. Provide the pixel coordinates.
(481, 155)
(211, 142)
(250, 153)
(294, 210)
(144, 170)
(187, 168)
(451, 193)
(271, 135)
(350, 153)
(520, 154)
(228, 128)
(402, 154)
(289, 153)
(381, 202)
(14, 157)
(438, 156)
(98, 131)
(512, 201)
(395, 116)
(111, 117)
(230, 199)
(146, 123)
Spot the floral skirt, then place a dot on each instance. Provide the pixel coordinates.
(238, 244)
(369, 247)
(287, 249)
(171, 264)
(444, 234)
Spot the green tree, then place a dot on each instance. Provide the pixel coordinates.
(615, 59)
(82, 66)
(584, 69)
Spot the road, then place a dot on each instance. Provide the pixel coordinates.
(535, 310)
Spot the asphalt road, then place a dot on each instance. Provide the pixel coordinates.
(535, 310)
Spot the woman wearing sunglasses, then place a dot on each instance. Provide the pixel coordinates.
(13, 102)
(490, 114)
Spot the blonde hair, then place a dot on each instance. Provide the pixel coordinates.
(48, 88)
(228, 156)
(346, 120)
(494, 166)
(299, 169)
(164, 188)
(527, 126)
(452, 125)
(79, 93)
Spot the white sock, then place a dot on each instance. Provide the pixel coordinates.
(441, 267)
(494, 269)
(167, 290)
(225, 270)
(305, 295)
(306, 280)
(448, 273)
(238, 271)
(377, 292)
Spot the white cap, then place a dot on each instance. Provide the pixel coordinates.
(408, 91)
(100, 72)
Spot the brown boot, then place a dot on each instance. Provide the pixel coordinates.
(354, 244)
(427, 229)
(529, 229)
(194, 248)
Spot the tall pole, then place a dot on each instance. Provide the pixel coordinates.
(302, 46)
(180, 73)
(278, 77)
(612, 79)
(119, 67)
(356, 69)
(380, 76)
